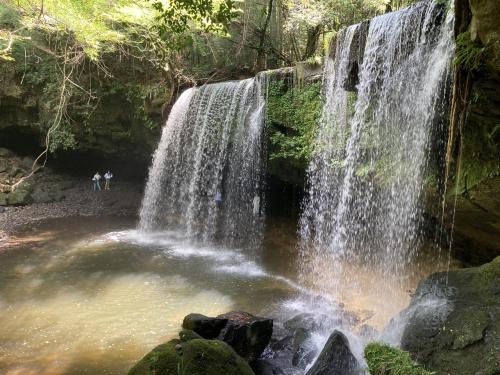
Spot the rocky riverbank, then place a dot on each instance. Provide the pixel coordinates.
(48, 194)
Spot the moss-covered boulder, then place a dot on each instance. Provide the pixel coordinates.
(193, 357)
(453, 321)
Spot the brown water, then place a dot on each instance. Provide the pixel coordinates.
(92, 296)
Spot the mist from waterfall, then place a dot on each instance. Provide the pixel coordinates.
(365, 186)
(210, 145)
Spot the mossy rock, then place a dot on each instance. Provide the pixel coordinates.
(161, 360)
(383, 359)
(193, 357)
(19, 197)
(452, 322)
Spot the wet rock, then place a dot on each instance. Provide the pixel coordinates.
(194, 357)
(303, 352)
(208, 328)
(336, 358)
(247, 334)
(356, 54)
(306, 321)
(453, 323)
(265, 367)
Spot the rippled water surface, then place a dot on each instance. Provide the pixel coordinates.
(91, 296)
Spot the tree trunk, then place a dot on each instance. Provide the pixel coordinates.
(261, 52)
(312, 41)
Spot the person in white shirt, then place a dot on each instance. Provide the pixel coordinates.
(107, 177)
(95, 180)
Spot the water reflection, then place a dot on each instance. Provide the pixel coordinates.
(96, 301)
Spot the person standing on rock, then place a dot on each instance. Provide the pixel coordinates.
(107, 177)
(96, 186)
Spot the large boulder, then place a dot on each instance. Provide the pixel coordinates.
(453, 321)
(193, 357)
(336, 358)
(247, 334)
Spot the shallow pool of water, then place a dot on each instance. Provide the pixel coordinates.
(92, 295)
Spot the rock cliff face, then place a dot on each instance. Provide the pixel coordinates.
(112, 114)
(477, 215)
(453, 321)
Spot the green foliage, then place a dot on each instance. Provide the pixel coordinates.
(9, 18)
(303, 17)
(292, 116)
(469, 55)
(383, 359)
(179, 16)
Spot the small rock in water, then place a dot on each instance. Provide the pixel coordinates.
(336, 358)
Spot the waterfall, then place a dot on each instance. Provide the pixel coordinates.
(211, 145)
(374, 146)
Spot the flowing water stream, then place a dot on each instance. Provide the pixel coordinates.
(364, 209)
(207, 172)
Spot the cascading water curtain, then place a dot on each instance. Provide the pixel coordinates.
(206, 176)
(363, 206)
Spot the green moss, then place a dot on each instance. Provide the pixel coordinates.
(161, 360)
(193, 357)
(383, 359)
(486, 275)
(292, 116)
(212, 357)
(187, 334)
